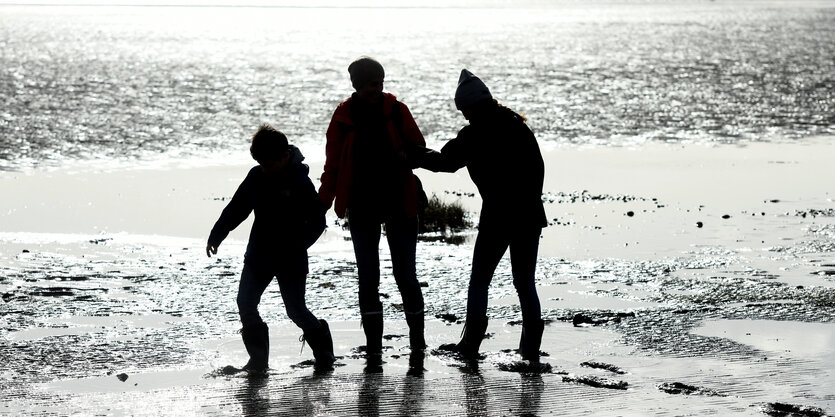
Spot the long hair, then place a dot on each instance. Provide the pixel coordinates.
(487, 106)
(506, 109)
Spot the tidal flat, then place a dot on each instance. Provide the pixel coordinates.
(681, 279)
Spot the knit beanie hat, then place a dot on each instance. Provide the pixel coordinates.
(365, 69)
(470, 90)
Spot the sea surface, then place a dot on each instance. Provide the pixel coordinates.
(123, 84)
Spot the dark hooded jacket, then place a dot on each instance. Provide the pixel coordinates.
(289, 216)
(504, 161)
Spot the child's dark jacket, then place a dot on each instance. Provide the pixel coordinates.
(289, 216)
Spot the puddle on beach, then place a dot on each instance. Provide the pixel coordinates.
(800, 340)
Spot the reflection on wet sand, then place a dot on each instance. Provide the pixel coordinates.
(475, 390)
(530, 396)
(253, 396)
(413, 396)
(368, 400)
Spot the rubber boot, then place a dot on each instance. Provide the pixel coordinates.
(321, 343)
(471, 338)
(531, 339)
(257, 342)
(372, 325)
(415, 322)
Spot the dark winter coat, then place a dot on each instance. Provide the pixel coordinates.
(289, 216)
(504, 161)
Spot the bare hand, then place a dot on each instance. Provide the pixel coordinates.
(211, 250)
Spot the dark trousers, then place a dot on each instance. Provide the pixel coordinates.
(292, 286)
(401, 234)
(490, 246)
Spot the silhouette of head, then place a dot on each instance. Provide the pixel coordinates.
(364, 70)
(471, 91)
(270, 148)
(367, 77)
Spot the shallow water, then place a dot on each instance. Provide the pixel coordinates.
(119, 83)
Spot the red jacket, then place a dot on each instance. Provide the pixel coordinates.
(338, 174)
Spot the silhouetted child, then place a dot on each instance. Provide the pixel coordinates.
(289, 218)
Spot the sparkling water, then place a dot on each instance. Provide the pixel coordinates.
(144, 83)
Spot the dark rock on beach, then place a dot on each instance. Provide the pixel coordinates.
(604, 366)
(581, 319)
(447, 317)
(681, 388)
(122, 377)
(791, 410)
(525, 367)
(597, 382)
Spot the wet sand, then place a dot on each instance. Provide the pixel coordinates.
(676, 279)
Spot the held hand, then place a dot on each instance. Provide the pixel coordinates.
(211, 250)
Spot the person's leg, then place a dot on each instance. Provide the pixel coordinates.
(365, 236)
(316, 332)
(251, 287)
(402, 239)
(490, 245)
(524, 247)
(292, 287)
(255, 333)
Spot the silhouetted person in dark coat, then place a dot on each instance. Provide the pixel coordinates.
(504, 161)
(289, 218)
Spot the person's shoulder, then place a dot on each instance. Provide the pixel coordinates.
(254, 171)
(252, 176)
(342, 113)
(466, 132)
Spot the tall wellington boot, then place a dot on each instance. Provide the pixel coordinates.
(471, 338)
(257, 342)
(416, 327)
(531, 339)
(372, 325)
(321, 343)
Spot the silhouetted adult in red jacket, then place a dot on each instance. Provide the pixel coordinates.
(368, 179)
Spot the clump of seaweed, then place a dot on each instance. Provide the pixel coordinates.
(443, 218)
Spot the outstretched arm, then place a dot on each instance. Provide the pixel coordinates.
(233, 215)
(451, 158)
